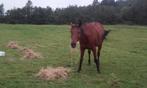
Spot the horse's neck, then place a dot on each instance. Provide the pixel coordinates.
(83, 37)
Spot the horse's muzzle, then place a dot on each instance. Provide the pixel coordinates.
(73, 45)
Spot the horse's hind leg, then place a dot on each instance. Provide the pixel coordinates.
(98, 55)
(81, 59)
(95, 59)
(89, 52)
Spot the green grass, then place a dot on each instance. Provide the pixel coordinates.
(123, 58)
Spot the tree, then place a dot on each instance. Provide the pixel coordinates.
(121, 3)
(95, 3)
(1, 10)
(1, 13)
(108, 2)
(28, 10)
(42, 15)
(136, 11)
(108, 12)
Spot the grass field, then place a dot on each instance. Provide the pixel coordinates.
(123, 58)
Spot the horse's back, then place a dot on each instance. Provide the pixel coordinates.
(94, 26)
(94, 32)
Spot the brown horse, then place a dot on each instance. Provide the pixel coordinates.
(90, 36)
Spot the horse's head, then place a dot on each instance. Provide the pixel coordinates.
(75, 34)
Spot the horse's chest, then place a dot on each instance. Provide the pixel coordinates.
(86, 43)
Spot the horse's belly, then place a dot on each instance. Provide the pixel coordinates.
(88, 45)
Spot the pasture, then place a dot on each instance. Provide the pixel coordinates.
(123, 58)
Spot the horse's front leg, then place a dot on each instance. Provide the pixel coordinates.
(82, 50)
(95, 59)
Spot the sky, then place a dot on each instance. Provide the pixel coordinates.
(10, 4)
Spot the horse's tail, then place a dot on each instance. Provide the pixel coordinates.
(106, 32)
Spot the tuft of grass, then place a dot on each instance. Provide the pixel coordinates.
(123, 58)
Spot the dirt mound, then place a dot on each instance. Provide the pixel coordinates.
(30, 54)
(26, 52)
(13, 45)
(50, 73)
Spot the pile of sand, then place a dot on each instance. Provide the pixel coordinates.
(50, 73)
(26, 52)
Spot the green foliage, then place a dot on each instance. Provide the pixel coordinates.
(95, 3)
(106, 11)
(108, 2)
(1, 13)
(137, 11)
(1, 9)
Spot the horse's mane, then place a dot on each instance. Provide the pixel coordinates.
(80, 27)
(79, 23)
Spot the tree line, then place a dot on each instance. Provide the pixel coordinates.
(106, 11)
